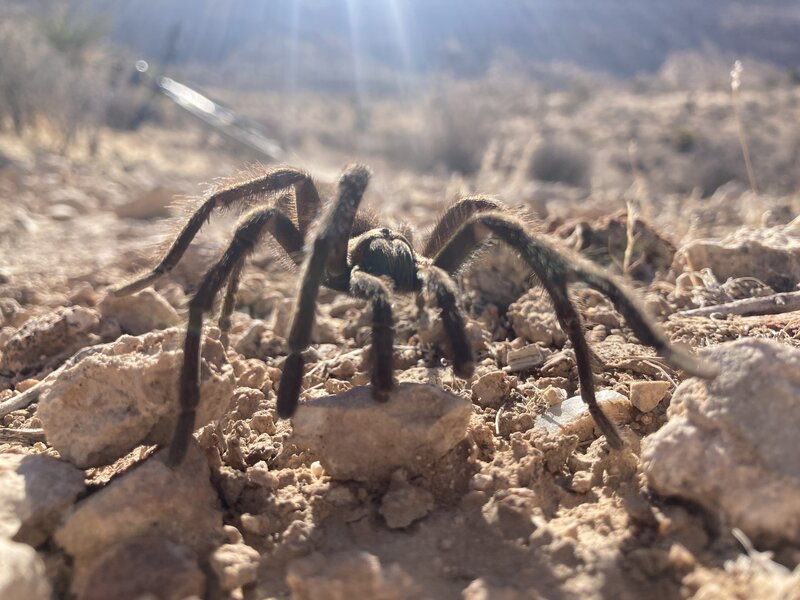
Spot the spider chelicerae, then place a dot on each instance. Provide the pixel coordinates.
(353, 254)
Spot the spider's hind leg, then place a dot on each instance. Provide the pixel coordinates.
(306, 202)
(252, 228)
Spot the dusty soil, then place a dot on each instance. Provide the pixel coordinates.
(515, 512)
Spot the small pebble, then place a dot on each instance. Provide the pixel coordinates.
(646, 395)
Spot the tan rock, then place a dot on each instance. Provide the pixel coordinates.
(139, 313)
(52, 336)
(235, 565)
(491, 390)
(772, 255)
(35, 491)
(145, 567)
(151, 500)
(647, 395)
(22, 573)
(404, 504)
(356, 437)
(125, 394)
(348, 575)
(730, 443)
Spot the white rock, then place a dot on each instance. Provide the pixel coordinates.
(152, 499)
(22, 574)
(356, 437)
(35, 490)
(126, 394)
(139, 313)
(646, 395)
(571, 417)
(731, 443)
(235, 565)
(554, 395)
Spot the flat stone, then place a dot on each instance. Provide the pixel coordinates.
(150, 500)
(35, 491)
(125, 394)
(22, 573)
(145, 567)
(731, 443)
(571, 417)
(647, 395)
(356, 437)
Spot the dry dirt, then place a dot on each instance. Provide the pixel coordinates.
(510, 512)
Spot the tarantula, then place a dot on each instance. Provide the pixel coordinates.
(352, 254)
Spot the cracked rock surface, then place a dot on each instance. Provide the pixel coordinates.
(731, 444)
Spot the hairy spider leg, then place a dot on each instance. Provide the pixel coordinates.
(554, 271)
(306, 205)
(453, 218)
(369, 287)
(251, 229)
(441, 287)
(328, 258)
(646, 332)
(230, 301)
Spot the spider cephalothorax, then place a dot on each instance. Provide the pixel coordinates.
(352, 254)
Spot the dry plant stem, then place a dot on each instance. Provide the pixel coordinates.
(630, 222)
(19, 401)
(769, 305)
(737, 114)
(21, 436)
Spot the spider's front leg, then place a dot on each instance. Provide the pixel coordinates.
(328, 258)
(369, 287)
(555, 271)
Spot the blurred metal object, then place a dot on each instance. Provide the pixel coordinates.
(221, 118)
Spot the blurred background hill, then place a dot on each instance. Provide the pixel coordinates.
(619, 37)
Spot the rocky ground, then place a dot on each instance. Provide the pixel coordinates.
(493, 488)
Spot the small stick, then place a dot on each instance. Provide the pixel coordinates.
(766, 305)
(21, 436)
(19, 401)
